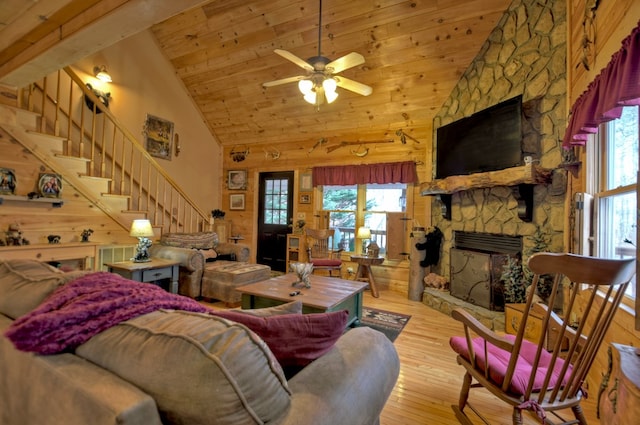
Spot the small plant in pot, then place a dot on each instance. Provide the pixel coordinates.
(219, 214)
(517, 277)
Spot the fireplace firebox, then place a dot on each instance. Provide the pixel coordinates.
(476, 266)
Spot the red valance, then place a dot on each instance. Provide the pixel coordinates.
(343, 175)
(616, 86)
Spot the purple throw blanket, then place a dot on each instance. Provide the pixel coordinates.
(86, 306)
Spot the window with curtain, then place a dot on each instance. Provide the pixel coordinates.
(352, 206)
(612, 170)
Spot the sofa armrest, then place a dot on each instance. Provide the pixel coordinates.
(190, 259)
(191, 267)
(239, 250)
(348, 385)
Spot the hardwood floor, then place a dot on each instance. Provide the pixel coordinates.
(430, 378)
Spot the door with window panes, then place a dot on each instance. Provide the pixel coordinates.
(275, 208)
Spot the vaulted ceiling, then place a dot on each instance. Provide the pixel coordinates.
(415, 52)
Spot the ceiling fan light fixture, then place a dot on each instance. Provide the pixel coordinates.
(305, 86)
(329, 85)
(310, 97)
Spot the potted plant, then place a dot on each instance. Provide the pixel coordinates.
(217, 213)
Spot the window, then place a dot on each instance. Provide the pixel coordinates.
(275, 201)
(351, 207)
(615, 162)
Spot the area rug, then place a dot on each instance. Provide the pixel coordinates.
(387, 322)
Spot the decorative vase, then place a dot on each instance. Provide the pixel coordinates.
(303, 272)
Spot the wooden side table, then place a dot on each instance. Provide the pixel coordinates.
(150, 272)
(619, 394)
(364, 273)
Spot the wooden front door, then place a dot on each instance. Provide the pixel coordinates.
(275, 209)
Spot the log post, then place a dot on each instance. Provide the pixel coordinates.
(416, 271)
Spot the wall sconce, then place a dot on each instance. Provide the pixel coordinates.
(142, 230)
(101, 74)
(364, 233)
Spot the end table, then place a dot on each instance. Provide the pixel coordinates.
(149, 272)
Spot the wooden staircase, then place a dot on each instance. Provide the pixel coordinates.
(96, 155)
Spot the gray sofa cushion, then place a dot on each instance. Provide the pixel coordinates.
(198, 368)
(24, 284)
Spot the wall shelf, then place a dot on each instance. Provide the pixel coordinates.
(520, 179)
(55, 202)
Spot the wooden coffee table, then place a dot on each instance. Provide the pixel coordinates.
(326, 294)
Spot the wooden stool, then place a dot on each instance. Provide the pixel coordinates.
(364, 272)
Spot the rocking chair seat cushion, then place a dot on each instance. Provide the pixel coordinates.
(326, 262)
(499, 361)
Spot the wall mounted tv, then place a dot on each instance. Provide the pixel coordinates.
(488, 140)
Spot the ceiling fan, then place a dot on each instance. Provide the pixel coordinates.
(321, 81)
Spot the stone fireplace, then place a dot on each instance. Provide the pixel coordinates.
(476, 263)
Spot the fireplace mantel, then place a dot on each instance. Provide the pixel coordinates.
(526, 174)
(520, 179)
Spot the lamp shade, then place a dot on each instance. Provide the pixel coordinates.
(141, 229)
(363, 233)
(101, 74)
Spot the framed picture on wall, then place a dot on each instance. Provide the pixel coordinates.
(236, 201)
(158, 134)
(7, 181)
(50, 185)
(237, 180)
(305, 198)
(306, 182)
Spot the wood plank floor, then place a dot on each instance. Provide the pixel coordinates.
(430, 378)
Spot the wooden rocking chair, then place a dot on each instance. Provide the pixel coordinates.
(524, 374)
(320, 251)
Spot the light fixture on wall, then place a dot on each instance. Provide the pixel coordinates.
(101, 74)
(142, 230)
(364, 233)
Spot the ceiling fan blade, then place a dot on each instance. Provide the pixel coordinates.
(293, 58)
(353, 86)
(345, 62)
(284, 81)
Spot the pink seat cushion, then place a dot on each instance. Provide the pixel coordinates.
(499, 361)
(326, 263)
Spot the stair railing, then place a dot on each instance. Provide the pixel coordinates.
(68, 108)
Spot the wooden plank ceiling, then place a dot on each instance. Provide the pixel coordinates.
(415, 52)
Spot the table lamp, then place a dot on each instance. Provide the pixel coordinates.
(142, 230)
(364, 233)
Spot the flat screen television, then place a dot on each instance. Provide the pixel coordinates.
(488, 140)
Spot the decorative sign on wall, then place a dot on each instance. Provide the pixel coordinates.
(158, 134)
(50, 185)
(7, 181)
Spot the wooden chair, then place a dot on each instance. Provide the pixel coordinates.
(320, 251)
(524, 374)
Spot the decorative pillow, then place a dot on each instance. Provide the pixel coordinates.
(293, 307)
(198, 240)
(197, 367)
(24, 284)
(295, 339)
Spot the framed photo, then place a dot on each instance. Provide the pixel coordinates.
(237, 180)
(50, 185)
(7, 181)
(236, 201)
(158, 134)
(305, 198)
(306, 182)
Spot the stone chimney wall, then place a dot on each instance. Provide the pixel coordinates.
(524, 55)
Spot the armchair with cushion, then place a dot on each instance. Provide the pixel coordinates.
(320, 251)
(193, 250)
(523, 373)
